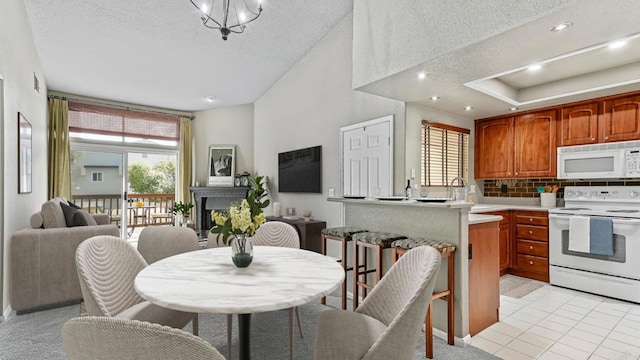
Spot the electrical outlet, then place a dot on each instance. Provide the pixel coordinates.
(413, 173)
(332, 192)
(472, 189)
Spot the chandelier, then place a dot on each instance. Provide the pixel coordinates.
(233, 18)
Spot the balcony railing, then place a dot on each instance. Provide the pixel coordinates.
(155, 209)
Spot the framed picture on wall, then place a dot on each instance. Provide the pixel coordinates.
(222, 165)
(24, 155)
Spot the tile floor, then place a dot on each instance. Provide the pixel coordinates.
(557, 323)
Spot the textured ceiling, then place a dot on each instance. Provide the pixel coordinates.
(157, 53)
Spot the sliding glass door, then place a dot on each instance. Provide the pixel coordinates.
(134, 187)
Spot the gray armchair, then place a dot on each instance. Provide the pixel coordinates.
(387, 324)
(104, 338)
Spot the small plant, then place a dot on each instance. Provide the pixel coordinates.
(244, 218)
(182, 209)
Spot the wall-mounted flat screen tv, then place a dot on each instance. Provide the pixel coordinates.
(300, 171)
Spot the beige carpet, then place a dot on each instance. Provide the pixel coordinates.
(517, 287)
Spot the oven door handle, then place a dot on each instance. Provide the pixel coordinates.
(615, 220)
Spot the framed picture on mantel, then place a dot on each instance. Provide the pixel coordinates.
(222, 165)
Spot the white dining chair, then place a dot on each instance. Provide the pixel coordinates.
(277, 233)
(105, 338)
(387, 323)
(107, 267)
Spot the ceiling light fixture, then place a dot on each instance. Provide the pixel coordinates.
(210, 99)
(422, 75)
(234, 17)
(561, 26)
(617, 44)
(468, 108)
(434, 98)
(534, 67)
(514, 108)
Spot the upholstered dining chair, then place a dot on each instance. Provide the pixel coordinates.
(107, 267)
(159, 242)
(387, 323)
(105, 338)
(277, 233)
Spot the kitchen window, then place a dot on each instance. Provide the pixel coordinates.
(444, 154)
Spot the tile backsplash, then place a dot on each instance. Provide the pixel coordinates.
(526, 188)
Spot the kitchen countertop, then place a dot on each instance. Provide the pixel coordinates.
(481, 219)
(483, 208)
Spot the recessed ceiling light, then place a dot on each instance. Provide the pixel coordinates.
(514, 108)
(617, 44)
(468, 108)
(562, 26)
(210, 99)
(434, 98)
(422, 75)
(534, 67)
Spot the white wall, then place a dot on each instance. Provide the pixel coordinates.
(307, 107)
(415, 114)
(18, 63)
(224, 126)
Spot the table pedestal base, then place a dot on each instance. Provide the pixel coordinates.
(244, 333)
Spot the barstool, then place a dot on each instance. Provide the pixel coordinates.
(344, 235)
(446, 250)
(372, 240)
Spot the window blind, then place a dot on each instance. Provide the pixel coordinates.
(444, 153)
(104, 120)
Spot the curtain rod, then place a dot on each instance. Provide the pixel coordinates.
(91, 102)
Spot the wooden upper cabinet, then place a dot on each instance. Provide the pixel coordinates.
(578, 125)
(535, 145)
(493, 151)
(620, 119)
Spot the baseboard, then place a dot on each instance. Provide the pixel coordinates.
(456, 340)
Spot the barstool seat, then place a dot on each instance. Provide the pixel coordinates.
(344, 235)
(446, 250)
(378, 241)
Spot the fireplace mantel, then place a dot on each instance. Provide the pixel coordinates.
(214, 198)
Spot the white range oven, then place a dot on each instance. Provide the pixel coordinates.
(616, 275)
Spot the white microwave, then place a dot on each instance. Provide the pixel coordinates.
(600, 161)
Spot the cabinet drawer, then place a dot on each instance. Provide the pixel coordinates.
(532, 220)
(532, 232)
(535, 248)
(533, 263)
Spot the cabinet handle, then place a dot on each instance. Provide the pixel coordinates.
(530, 262)
(516, 173)
(530, 232)
(530, 247)
(593, 139)
(530, 219)
(606, 138)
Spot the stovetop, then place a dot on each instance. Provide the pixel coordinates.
(613, 201)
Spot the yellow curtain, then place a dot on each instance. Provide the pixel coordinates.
(58, 149)
(186, 156)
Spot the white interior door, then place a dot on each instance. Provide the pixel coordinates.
(367, 153)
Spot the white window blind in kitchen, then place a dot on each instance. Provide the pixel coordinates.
(444, 154)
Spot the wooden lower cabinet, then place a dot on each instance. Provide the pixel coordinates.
(504, 243)
(531, 245)
(484, 276)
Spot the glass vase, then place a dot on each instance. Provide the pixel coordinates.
(241, 251)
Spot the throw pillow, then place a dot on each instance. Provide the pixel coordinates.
(72, 216)
(88, 218)
(73, 205)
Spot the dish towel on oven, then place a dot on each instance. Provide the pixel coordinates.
(601, 229)
(579, 233)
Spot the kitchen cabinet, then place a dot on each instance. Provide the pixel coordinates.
(531, 233)
(484, 276)
(535, 145)
(620, 119)
(523, 146)
(493, 155)
(504, 240)
(578, 124)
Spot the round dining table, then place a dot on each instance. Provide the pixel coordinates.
(207, 281)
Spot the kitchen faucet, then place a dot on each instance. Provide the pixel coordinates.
(451, 193)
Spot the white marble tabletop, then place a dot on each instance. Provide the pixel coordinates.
(206, 281)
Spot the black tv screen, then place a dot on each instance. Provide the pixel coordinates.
(299, 171)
